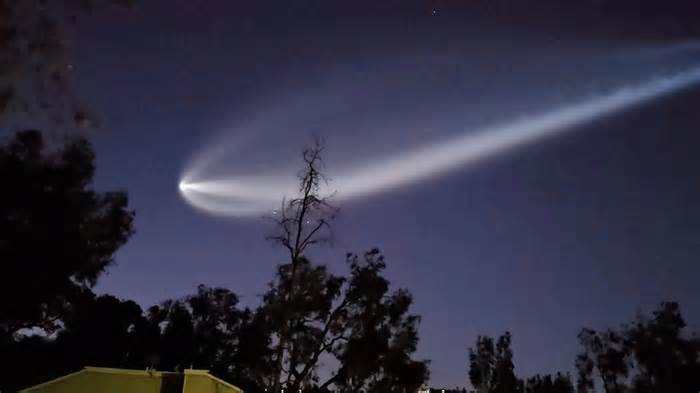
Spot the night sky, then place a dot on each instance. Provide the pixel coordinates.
(580, 230)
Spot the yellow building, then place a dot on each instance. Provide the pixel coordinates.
(115, 380)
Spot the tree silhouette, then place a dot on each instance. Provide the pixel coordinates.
(301, 222)
(312, 313)
(104, 331)
(354, 319)
(253, 362)
(648, 355)
(200, 330)
(491, 368)
(481, 364)
(606, 352)
(382, 335)
(560, 383)
(97, 330)
(57, 235)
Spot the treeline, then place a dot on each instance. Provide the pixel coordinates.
(57, 237)
(652, 354)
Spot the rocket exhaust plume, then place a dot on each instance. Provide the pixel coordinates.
(251, 195)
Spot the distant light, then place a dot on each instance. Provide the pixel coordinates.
(183, 186)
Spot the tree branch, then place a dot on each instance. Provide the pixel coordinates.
(323, 346)
(321, 223)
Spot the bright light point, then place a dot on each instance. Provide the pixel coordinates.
(255, 194)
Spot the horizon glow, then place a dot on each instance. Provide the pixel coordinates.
(257, 194)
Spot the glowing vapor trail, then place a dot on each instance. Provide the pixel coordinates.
(254, 195)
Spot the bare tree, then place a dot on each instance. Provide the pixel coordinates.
(301, 222)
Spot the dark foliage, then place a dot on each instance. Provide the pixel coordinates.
(491, 368)
(354, 319)
(650, 355)
(57, 235)
(201, 330)
(560, 383)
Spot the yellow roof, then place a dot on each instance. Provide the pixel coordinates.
(123, 371)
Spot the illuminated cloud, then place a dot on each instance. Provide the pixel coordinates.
(251, 195)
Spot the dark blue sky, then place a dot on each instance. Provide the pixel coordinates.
(583, 230)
